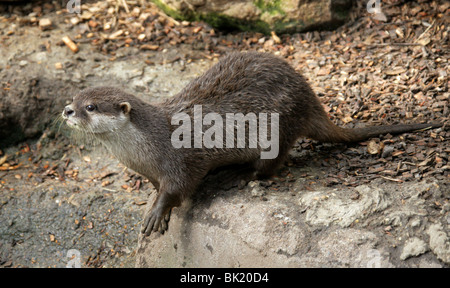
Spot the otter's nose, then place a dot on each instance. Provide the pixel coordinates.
(68, 111)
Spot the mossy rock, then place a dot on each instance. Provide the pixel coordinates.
(281, 16)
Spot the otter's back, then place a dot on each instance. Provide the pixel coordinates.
(245, 82)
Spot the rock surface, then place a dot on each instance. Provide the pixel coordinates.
(262, 15)
(322, 228)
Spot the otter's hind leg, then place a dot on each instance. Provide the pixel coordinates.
(231, 176)
(265, 168)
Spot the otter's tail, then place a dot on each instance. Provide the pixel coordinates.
(360, 134)
(328, 132)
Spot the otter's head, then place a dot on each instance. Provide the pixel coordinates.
(98, 110)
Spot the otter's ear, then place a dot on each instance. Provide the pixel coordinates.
(125, 107)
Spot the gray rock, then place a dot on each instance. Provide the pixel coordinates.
(234, 229)
(262, 15)
(327, 209)
(413, 247)
(439, 242)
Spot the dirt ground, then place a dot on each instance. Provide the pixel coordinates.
(57, 195)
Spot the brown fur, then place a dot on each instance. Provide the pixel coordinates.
(240, 83)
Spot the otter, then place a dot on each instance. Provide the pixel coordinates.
(139, 134)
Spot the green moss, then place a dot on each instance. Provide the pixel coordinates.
(341, 14)
(273, 7)
(216, 20)
(169, 11)
(228, 23)
(341, 11)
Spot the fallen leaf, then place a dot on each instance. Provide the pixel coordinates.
(347, 119)
(395, 71)
(323, 72)
(116, 34)
(380, 16)
(106, 183)
(374, 147)
(424, 41)
(275, 38)
(139, 203)
(149, 47)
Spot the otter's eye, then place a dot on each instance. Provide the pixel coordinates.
(90, 108)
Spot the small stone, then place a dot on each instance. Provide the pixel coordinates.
(415, 223)
(92, 23)
(256, 191)
(74, 20)
(45, 24)
(387, 151)
(439, 242)
(136, 11)
(58, 66)
(86, 15)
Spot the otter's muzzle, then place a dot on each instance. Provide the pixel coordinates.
(68, 111)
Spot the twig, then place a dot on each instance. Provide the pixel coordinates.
(124, 4)
(70, 44)
(160, 13)
(426, 30)
(391, 179)
(395, 23)
(393, 5)
(394, 44)
(110, 190)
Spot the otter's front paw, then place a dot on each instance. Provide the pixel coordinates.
(154, 221)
